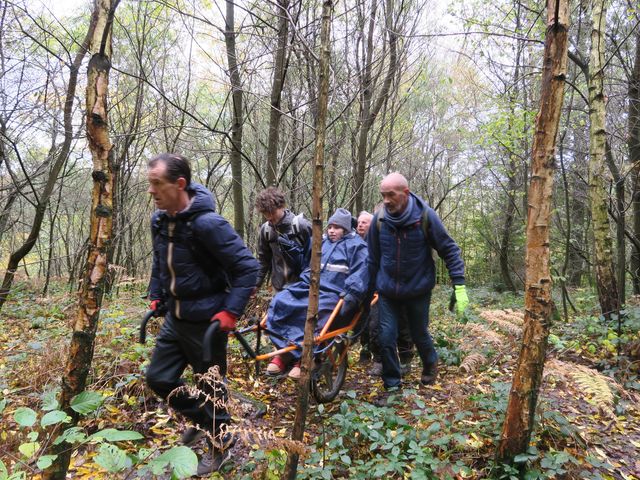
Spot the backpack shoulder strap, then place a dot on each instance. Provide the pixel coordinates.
(265, 231)
(295, 224)
(299, 226)
(156, 224)
(379, 216)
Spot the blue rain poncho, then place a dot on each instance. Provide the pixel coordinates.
(343, 272)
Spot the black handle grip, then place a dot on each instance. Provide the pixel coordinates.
(143, 326)
(452, 301)
(207, 354)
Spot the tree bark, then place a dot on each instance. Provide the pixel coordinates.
(519, 417)
(100, 237)
(634, 160)
(279, 74)
(236, 119)
(369, 108)
(302, 403)
(605, 277)
(621, 263)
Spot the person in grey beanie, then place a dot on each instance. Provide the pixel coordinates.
(343, 274)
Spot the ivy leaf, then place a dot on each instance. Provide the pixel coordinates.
(29, 449)
(112, 459)
(182, 461)
(113, 435)
(86, 402)
(45, 461)
(24, 416)
(53, 417)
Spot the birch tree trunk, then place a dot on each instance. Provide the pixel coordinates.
(605, 277)
(519, 417)
(236, 119)
(302, 404)
(100, 237)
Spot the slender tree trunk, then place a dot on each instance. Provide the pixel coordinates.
(519, 418)
(505, 241)
(369, 108)
(621, 250)
(236, 119)
(605, 277)
(100, 237)
(512, 167)
(634, 160)
(279, 74)
(302, 404)
(60, 159)
(53, 218)
(6, 211)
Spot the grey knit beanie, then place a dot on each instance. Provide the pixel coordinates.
(341, 218)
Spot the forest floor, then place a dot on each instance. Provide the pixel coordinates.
(587, 421)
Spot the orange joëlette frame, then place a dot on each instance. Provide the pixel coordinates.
(324, 335)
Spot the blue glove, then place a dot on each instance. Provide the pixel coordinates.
(349, 306)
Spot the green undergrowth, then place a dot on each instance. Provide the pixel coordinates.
(418, 434)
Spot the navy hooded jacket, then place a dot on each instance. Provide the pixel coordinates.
(200, 264)
(400, 261)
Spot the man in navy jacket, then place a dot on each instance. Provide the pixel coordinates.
(402, 271)
(202, 272)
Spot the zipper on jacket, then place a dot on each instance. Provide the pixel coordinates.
(397, 263)
(172, 273)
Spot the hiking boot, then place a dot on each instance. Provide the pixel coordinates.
(376, 369)
(276, 366)
(365, 356)
(429, 374)
(212, 461)
(191, 436)
(295, 371)
(217, 455)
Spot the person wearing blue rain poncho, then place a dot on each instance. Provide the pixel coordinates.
(343, 273)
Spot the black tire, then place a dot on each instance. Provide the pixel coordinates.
(329, 372)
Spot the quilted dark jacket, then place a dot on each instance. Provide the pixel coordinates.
(400, 261)
(200, 264)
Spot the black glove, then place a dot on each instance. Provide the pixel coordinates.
(349, 306)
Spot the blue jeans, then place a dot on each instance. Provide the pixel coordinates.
(416, 312)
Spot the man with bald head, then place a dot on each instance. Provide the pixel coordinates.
(402, 271)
